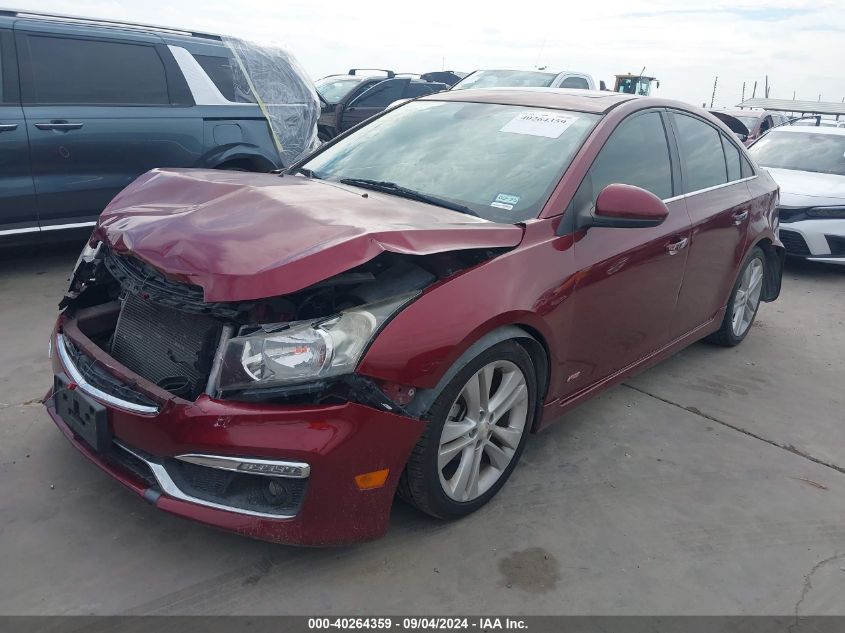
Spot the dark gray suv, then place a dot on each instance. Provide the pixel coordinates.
(86, 106)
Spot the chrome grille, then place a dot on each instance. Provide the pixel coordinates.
(164, 345)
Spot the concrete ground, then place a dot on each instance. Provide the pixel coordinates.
(711, 484)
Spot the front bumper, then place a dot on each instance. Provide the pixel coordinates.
(335, 442)
(817, 240)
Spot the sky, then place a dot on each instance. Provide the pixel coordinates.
(685, 44)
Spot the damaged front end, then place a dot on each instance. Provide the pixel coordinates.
(299, 348)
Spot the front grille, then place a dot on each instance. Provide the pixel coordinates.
(168, 347)
(98, 377)
(794, 243)
(786, 215)
(137, 277)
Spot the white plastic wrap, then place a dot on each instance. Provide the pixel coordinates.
(283, 91)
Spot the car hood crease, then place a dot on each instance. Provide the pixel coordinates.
(248, 236)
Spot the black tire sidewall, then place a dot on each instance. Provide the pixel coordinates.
(438, 501)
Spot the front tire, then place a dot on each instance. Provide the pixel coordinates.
(743, 303)
(476, 432)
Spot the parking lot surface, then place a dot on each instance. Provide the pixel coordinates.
(712, 484)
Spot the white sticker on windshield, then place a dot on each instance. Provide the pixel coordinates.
(501, 205)
(548, 124)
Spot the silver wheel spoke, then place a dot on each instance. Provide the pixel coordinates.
(465, 485)
(447, 452)
(499, 459)
(452, 430)
(508, 436)
(511, 390)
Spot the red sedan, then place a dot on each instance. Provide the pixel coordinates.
(279, 355)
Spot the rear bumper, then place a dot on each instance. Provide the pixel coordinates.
(337, 443)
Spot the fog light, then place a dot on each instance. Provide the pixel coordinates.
(276, 493)
(375, 479)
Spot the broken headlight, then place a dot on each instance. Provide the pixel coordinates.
(287, 354)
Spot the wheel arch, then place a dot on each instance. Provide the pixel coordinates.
(774, 258)
(249, 157)
(525, 336)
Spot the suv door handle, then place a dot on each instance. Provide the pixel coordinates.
(8, 127)
(60, 126)
(673, 248)
(740, 216)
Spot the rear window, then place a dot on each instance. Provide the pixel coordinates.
(219, 70)
(94, 72)
(575, 82)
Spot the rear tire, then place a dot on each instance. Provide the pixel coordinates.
(473, 436)
(743, 302)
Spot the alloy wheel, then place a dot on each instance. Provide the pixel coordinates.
(483, 430)
(747, 297)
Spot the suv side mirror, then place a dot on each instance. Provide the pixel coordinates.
(624, 206)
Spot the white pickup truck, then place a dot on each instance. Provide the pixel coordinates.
(517, 78)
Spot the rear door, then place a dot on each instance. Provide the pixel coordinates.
(714, 174)
(102, 106)
(629, 278)
(17, 195)
(373, 101)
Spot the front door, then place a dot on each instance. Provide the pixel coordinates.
(372, 101)
(629, 278)
(17, 195)
(100, 111)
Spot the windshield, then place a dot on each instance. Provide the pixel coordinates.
(334, 89)
(802, 151)
(506, 79)
(501, 162)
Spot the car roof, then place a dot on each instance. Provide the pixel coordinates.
(812, 129)
(594, 101)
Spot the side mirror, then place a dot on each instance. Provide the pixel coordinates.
(624, 206)
(602, 85)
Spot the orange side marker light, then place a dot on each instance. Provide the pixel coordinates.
(375, 479)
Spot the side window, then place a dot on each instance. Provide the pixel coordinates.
(746, 169)
(219, 70)
(381, 95)
(8, 71)
(413, 90)
(637, 153)
(93, 72)
(731, 159)
(766, 124)
(575, 82)
(703, 159)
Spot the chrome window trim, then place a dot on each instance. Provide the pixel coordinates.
(713, 188)
(93, 391)
(222, 462)
(169, 487)
(52, 227)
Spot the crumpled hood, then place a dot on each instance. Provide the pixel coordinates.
(248, 236)
(806, 188)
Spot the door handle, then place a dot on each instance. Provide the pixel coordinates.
(59, 126)
(8, 127)
(740, 216)
(673, 248)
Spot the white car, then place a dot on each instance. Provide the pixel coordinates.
(809, 165)
(526, 78)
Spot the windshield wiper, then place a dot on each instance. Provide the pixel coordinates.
(404, 192)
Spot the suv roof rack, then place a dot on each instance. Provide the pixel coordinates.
(136, 26)
(390, 74)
